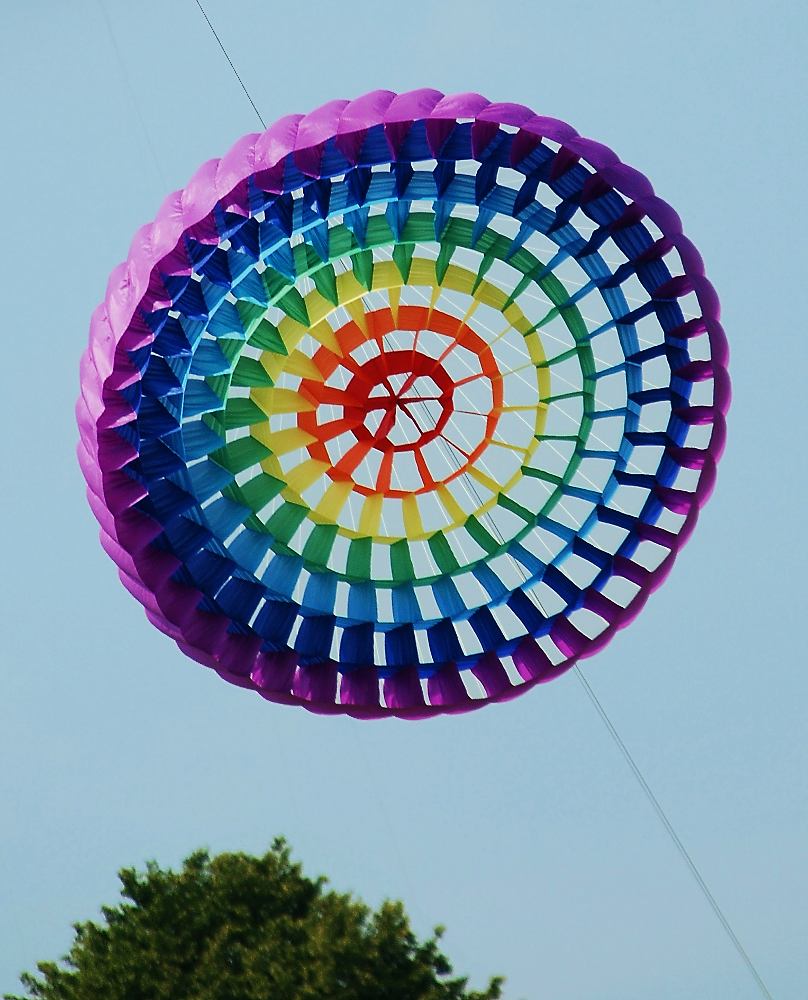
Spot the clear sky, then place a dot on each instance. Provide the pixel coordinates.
(519, 826)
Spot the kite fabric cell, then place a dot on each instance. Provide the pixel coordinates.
(403, 406)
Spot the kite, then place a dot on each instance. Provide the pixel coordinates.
(403, 406)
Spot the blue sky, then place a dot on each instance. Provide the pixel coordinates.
(519, 827)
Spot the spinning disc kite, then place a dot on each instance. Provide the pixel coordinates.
(403, 406)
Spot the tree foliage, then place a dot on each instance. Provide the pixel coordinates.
(237, 927)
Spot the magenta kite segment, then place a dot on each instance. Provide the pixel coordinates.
(403, 406)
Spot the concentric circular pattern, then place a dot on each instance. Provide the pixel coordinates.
(404, 405)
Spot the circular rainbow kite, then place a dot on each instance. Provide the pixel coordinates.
(403, 406)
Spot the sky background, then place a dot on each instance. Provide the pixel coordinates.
(519, 826)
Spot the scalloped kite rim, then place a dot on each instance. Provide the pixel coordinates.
(106, 366)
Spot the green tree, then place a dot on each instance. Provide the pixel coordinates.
(237, 927)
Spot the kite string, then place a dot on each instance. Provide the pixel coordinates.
(653, 800)
(657, 807)
(232, 66)
(130, 91)
(671, 831)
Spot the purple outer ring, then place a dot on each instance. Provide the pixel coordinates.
(116, 328)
